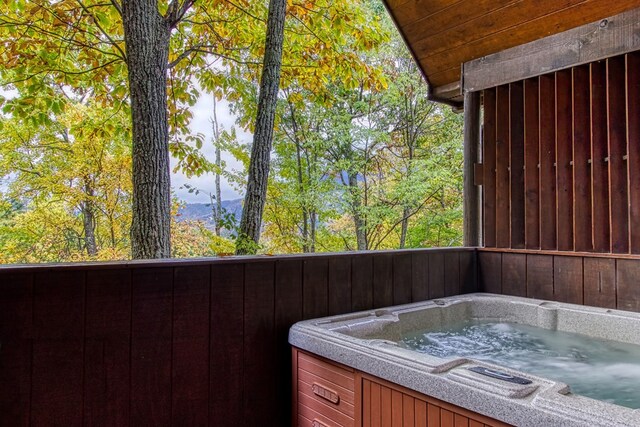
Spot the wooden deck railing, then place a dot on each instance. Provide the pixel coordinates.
(600, 280)
(194, 342)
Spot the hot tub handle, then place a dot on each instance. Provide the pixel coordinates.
(325, 393)
(499, 375)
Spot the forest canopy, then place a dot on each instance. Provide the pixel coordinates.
(361, 159)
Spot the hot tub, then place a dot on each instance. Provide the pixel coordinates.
(522, 361)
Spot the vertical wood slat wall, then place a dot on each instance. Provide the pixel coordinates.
(187, 343)
(561, 155)
(607, 281)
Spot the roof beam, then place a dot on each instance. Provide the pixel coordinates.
(612, 36)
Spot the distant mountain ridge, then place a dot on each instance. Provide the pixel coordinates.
(204, 212)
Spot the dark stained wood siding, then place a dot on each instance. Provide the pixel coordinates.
(607, 281)
(633, 138)
(574, 184)
(489, 169)
(583, 239)
(599, 152)
(532, 163)
(187, 342)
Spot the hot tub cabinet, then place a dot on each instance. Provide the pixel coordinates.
(329, 394)
(350, 371)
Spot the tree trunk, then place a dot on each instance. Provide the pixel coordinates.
(305, 210)
(361, 229)
(249, 234)
(217, 209)
(89, 226)
(405, 226)
(146, 35)
(312, 242)
(305, 231)
(410, 141)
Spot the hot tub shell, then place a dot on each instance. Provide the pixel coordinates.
(367, 341)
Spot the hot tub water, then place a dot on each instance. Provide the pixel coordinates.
(600, 369)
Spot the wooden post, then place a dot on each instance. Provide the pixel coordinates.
(471, 200)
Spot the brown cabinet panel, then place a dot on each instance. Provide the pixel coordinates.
(374, 402)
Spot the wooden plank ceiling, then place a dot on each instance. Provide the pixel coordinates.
(443, 34)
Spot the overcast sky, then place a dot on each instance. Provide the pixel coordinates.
(202, 113)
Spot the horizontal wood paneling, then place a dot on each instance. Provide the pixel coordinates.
(591, 42)
(445, 34)
(580, 130)
(186, 342)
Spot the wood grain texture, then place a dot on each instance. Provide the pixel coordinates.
(628, 291)
(227, 352)
(564, 162)
(408, 12)
(288, 310)
(315, 290)
(151, 337)
(618, 174)
(468, 265)
(259, 331)
(568, 178)
(420, 413)
(376, 404)
(516, 164)
(633, 144)
(339, 285)
(382, 275)
(451, 274)
(362, 283)
(591, 42)
(58, 322)
(581, 135)
(500, 18)
(489, 169)
(600, 282)
(16, 330)
(402, 279)
(436, 275)
(599, 153)
(460, 420)
(503, 196)
(471, 142)
(367, 403)
(514, 274)
(540, 276)
(490, 269)
(387, 404)
(443, 67)
(190, 341)
(168, 342)
(446, 418)
(107, 373)
(568, 280)
(433, 415)
(420, 279)
(408, 410)
(396, 408)
(548, 204)
(532, 163)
